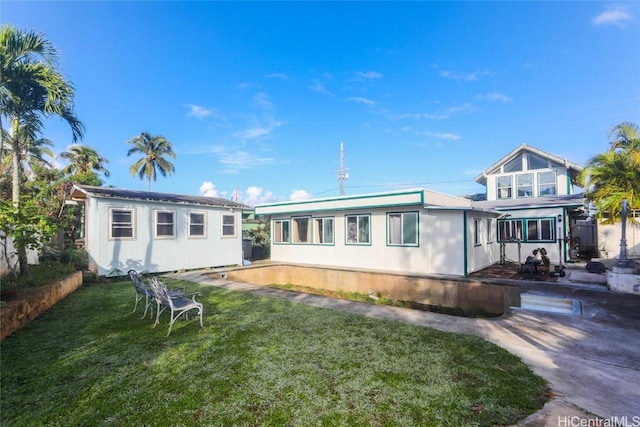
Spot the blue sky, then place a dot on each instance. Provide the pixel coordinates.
(258, 96)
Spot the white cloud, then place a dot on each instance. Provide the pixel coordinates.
(441, 135)
(280, 76)
(368, 75)
(318, 86)
(208, 189)
(300, 195)
(615, 15)
(198, 111)
(469, 77)
(360, 100)
(237, 160)
(494, 97)
(257, 195)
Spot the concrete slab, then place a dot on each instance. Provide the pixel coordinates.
(583, 276)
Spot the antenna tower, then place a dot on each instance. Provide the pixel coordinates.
(342, 173)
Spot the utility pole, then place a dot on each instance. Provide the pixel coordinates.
(342, 173)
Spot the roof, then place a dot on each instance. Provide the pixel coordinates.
(410, 197)
(572, 200)
(84, 191)
(573, 168)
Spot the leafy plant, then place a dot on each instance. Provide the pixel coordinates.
(27, 228)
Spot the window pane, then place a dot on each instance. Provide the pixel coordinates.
(525, 185)
(196, 224)
(395, 229)
(363, 229)
(281, 231)
(410, 228)
(504, 187)
(121, 224)
(546, 228)
(328, 230)
(547, 183)
(352, 229)
(532, 230)
(514, 165)
(121, 216)
(228, 225)
(301, 230)
(122, 232)
(165, 217)
(537, 162)
(164, 224)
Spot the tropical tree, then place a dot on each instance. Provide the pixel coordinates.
(31, 88)
(83, 161)
(614, 175)
(153, 148)
(625, 137)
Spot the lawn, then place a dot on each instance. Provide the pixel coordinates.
(257, 361)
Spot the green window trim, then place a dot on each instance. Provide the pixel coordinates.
(324, 231)
(358, 230)
(281, 234)
(521, 229)
(403, 229)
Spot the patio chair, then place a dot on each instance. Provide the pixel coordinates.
(177, 304)
(141, 292)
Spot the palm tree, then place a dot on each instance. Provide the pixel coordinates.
(31, 88)
(153, 148)
(626, 137)
(614, 175)
(83, 160)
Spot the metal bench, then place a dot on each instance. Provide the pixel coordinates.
(178, 304)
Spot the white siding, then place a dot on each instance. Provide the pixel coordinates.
(145, 252)
(440, 244)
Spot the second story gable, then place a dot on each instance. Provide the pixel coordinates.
(528, 172)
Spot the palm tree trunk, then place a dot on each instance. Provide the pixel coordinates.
(15, 193)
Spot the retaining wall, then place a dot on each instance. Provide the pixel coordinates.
(444, 291)
(17, 313)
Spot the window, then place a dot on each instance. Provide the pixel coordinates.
(281, 232)
(525, 185)
(228, 225)
(477, 240)
(514, 165)
(358, 229)
(547, 184)
(165, 224)
(197, 224)
(402, 229)
(489, 230)
(510, 229)
(121, 224)
(301, 230)
(540, 230)
(536, 162)
(504, 187)
(323, 231)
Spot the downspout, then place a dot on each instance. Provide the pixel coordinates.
(464, 238)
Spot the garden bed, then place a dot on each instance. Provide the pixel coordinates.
(16, 313)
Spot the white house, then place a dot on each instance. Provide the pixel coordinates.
(411, 231)
(530, 203)
(158, 232)
(535, 192)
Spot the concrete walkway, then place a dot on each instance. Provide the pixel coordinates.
(591, 361)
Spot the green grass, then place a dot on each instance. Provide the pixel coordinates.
(257, 361)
